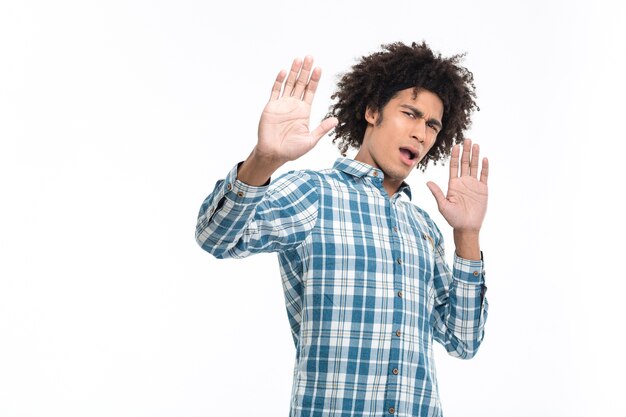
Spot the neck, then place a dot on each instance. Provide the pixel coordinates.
(391, 186)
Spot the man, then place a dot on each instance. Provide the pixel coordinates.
(366, 284)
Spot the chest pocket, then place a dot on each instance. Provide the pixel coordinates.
(418, 246)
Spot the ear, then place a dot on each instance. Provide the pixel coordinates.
(371, 116)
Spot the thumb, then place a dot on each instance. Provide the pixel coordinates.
(437, 193)
(324, 128)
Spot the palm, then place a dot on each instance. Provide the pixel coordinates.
(284, 128)
(284, 132)
(465, 204)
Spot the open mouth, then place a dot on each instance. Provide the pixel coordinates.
(411, 155)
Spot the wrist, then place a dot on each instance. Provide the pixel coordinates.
(467, 244)
(257, 169)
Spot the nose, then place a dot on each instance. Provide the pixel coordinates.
(419, 130)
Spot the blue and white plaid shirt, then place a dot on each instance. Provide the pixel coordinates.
(366, 286)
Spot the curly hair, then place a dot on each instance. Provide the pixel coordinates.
(378, 77)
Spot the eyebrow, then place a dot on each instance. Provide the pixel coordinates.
(421, 115)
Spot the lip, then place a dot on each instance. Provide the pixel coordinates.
(405, 158)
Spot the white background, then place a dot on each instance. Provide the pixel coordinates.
(117, 118)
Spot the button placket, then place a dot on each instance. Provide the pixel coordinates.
(397, 301)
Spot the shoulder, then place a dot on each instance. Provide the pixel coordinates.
(290, 181)
(305, 179)
(296, 187)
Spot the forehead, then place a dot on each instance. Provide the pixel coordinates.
(424, 100)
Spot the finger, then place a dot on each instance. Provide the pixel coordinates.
(278, 83)
(484, 173)
(437, 193)
(303, 77)
(291, 78)
(454, 162)
(474, 162)
(326, 126)
(465, 157)
(309, 92)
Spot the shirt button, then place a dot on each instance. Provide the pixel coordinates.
(424, 236)
(400, 294)
(398, 333)
(375, 173)
(229, 187)
(395, 229)
(475, 273)
(395, 371)
(240, 194)
(399, 261)
(392, 410)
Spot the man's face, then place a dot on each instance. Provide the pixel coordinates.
(408, 129)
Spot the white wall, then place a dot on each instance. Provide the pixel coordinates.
(117, 118)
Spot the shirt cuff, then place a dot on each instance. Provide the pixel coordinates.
(469, 271)
(240, 192)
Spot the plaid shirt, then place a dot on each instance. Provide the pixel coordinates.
(366, 286)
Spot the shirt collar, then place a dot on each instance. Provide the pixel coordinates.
(359, 169)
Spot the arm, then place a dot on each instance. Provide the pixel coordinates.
(243, 215)
(284, 126)
(238, 220)
(460, 307)
(465, 205)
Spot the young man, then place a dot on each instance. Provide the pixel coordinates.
(366, 284)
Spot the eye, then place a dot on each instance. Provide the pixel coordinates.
(433, 127)
(411, 115)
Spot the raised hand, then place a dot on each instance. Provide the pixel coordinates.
(465, 205)
(284, 133)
